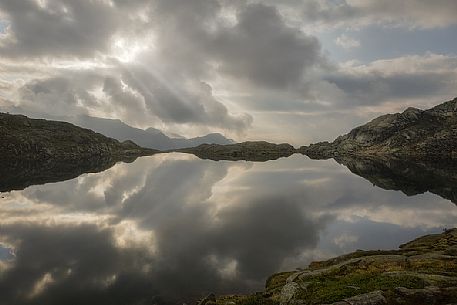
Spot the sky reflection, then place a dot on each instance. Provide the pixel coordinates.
(172, 227)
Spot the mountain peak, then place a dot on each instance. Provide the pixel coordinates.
(445, 109)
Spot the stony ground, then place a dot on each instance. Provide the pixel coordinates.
(423, 271)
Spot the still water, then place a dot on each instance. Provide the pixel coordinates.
(171, 228)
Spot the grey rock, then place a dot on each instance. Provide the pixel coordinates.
(288, 292)
(371, 298)
(208, 300)
(428, 295)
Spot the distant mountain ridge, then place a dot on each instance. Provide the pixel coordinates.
(149, 138)
(114, 128)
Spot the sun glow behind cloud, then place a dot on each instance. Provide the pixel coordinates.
(248, 69)
(126, 50)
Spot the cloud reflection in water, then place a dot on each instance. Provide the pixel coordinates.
(173, 227)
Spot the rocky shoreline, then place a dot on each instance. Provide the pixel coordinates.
(423, 271)
(249, 151)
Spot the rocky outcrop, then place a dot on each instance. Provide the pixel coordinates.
(249, 151)
(423, 271)
(412, 134)
(26, 139)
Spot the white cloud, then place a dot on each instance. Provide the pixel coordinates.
(347, 42)
(355, 13)
(431, 77)
(197, 66)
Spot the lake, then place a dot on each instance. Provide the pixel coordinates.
(171, 228)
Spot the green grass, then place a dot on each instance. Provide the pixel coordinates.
(329, 289)
(277, 281)
(256, 299)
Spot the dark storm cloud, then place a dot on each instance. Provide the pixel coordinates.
(264, 50)
(60, 28)
(259, 47)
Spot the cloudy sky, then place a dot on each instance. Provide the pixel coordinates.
(291, 70)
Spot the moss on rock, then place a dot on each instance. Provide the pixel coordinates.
(423, 269)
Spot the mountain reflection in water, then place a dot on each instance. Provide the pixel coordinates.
(172, 228)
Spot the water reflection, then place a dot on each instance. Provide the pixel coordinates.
(17, 175)
(169, 228)
(410, 177)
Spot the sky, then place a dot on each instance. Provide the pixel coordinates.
(282, 71)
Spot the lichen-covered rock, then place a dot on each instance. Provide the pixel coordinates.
(428, 295)
(371, 298)
(423, 271)
(288, 292)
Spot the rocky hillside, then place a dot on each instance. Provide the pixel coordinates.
(423, 271)
(22, 138)
(249, 151)
(413, 134)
